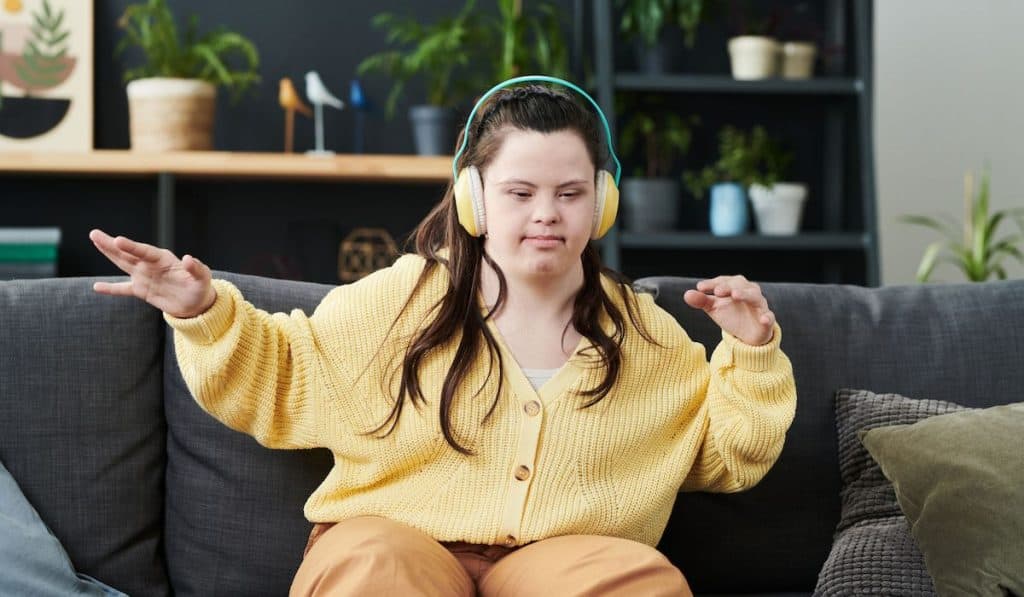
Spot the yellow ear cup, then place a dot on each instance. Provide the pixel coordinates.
(469, 201)
(607, 204)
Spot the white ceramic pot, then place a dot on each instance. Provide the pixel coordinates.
(798, 59)
(779, 208)
(168, 114)
(753, 57)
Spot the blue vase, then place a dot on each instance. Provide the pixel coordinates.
(729, 214)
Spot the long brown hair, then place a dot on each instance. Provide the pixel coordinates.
(442, 242)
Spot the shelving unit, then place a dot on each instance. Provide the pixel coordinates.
(842, 239)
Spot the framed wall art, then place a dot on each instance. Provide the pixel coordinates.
(46, 75)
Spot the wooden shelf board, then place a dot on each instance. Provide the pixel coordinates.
(223, 164)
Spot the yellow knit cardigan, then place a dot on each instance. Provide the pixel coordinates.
(542, 465)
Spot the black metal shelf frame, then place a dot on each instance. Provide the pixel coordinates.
(842, 86)
(813, 241)
(837, 149)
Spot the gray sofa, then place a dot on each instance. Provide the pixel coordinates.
(152, 496)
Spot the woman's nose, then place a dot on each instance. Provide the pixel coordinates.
(545, 211)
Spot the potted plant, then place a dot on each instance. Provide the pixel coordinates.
(650, 197)
(727, 178)
(171, 97)
(532, 40)
(749, 162)
(754, 51)
(778, 206)
(801, 37)
(647, 23)
(439, 53)
(975, 250)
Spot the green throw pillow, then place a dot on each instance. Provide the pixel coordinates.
(959, 479)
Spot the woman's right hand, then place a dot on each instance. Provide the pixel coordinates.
(179, 287)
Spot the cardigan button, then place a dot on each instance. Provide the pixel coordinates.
(522, 472)
(532, 408)
(510, 541)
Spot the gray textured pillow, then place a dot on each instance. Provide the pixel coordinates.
(873, 552)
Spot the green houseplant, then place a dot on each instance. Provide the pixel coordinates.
(173, 93)
(645, 21)
(651, 196)
(974, 250)
(745, 159)
(740, 160)
(754, 50)
(453, 55)
(532, 40)
(441, 53)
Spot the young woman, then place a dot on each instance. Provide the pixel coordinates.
(507, 417)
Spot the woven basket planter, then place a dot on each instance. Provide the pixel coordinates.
(171, 114)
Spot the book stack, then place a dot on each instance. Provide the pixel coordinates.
(28, 253)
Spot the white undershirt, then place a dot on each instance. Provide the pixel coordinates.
(539, 377)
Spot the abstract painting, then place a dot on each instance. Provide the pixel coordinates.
(46, 72)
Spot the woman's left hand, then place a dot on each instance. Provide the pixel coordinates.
(736, 305)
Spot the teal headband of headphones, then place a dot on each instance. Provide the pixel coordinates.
(544, 79)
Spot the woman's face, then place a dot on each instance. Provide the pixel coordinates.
(539, 203)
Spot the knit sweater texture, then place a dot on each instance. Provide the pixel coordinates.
(542, 465)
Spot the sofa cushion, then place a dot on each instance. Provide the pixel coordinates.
(81, 424)
(960, 481)
(926, 340)
(234, 508)
(874, 550)
(877, 556)
(866, 494)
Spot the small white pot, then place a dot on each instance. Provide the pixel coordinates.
(753, 57)
(167, 114)
(779, 208)
(798, 59)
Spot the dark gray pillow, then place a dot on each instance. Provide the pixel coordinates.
(873, 552)
(234, 508)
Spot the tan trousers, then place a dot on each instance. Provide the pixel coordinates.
(376, 556)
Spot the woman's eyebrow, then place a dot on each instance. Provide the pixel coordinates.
(516, 181)
(528, 183)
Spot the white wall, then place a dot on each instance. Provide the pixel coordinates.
(949, 97)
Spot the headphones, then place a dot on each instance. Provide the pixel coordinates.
(469, 189)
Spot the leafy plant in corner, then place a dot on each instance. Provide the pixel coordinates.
(661, 137)
(975, 249)
(646, 18)
(742, 158)
(436, 52)
(151, 26)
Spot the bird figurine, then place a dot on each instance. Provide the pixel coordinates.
(292, 103)
(317, 94)
(359, 102)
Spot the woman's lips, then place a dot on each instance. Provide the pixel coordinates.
(543, 240)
